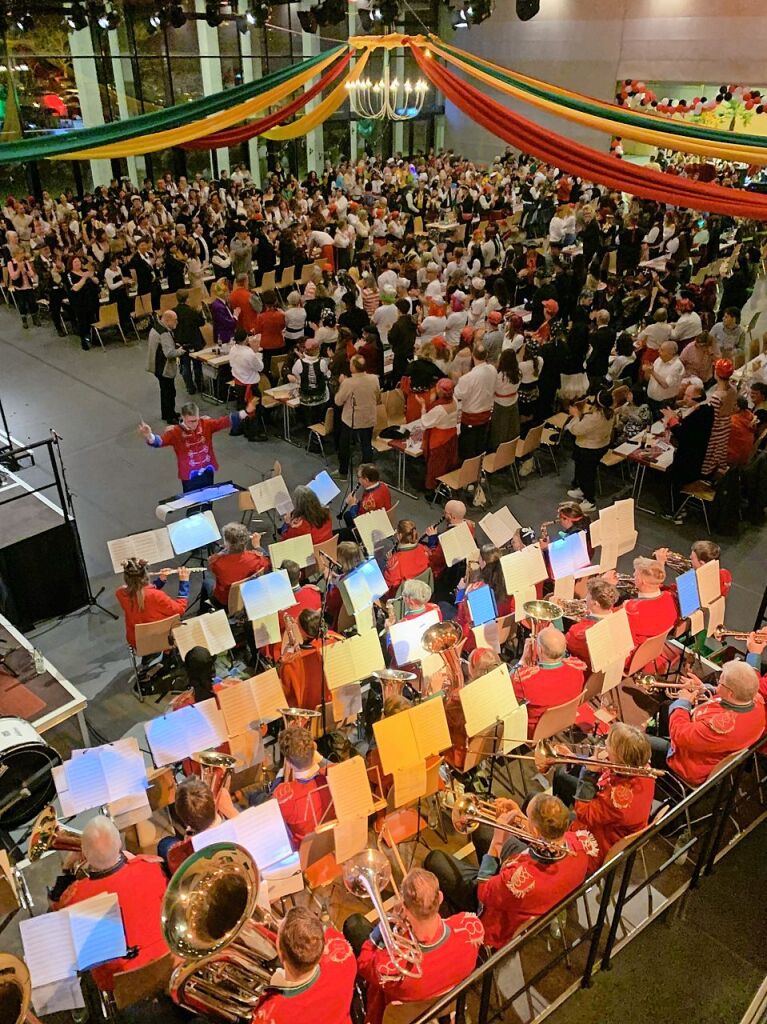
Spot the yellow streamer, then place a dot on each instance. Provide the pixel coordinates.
(215, 122)
(701, 147)
(323, 110)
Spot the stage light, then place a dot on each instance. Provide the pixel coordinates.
(106, 19)
(213, 15)
(462, 18)
(481, 10)
(308, 21)
(76, 19)
(177, 17)
(367, 19)
(155, 21)
(527, 9)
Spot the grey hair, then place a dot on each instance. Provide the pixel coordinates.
(741, 679)
(101, 843)
(416, 590)
(235, 537)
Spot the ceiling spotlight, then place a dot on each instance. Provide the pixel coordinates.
(155, 20)
(108, 20)
(76, 19)
(259, 13)
(527, 9)
(25, 22)
(481, 10)
(177, 17)
(308, 21)
(462, 18)
(213, 15)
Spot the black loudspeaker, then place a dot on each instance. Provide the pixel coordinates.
(527, 9)
(41, 576)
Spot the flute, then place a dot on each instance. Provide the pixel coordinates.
(173, 571)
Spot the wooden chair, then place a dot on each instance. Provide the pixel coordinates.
(466, 475)
(702, 492)
(646, 653)
(306, 273)
(394, 401)
(381, 444)
(234, 602)
(196, 297)
(504, 457)
(328, 547)
(142, 310)
(207, 335)
(288, 277)
(268, 282)
(318, 431)
(393, 515)
(151, 638)
(530, 445)
(405, 1013)
(139, 983)
(277, 363)
(557, 719)
(108, 317)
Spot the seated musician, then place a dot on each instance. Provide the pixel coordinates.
(301, 668)
(455, 514)
(348, 556)
(143, 601)
(701, 552)
(449, 947)
(487, 572)
(375, 494)
(236, 562)
(570, 519)
(390, 705)
(481, 661)
(653, 610)
(196, 810)
(139, 884)
(516, 882)
(609, 805)
(410, 559)
(308, 517)
(701, 736)
(200, 667)
(316, 980)
(601, 598)
(303, 795)
(555, 678)
(307, 595)
(415, 600)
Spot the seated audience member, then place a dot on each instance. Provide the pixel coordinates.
(743, 427)
(449, 948)
(303, 795)
(139, 884)
(555, 679)
(196, 810)
(601, 598)
(143, 602)
(610, 805)
(375, 494)
(653, 611)
(236, 562)
(515, 883)
(316, 980)
(702, 551)
(308, 517)
(703, 735)
(408, 561)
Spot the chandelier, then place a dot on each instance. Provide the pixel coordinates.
(388, 98)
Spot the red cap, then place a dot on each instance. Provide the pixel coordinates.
(724, 368)
(494, 317)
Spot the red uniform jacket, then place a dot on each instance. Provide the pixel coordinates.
(157, 605)
(324, 999)
(193, 448)
(528, 886)
(407, 563)
(139, 885)
(375, 497)
(576, 640)
(301, 675)
(622, 806)
(303, 803)
(702, 736)
(446, 962)
(231, 568)
(546, 686)
(650, 616)
(300, 527)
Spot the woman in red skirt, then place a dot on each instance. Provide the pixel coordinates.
(440, 433)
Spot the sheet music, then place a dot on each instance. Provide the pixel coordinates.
(488, 700)
(194, 532)
(564, 588)
(618, 519)
(124, 767)
(715, 616)
(296, 549)
(205, 723)
(521, 598)
(458, 544)
(263, 833)
(396, 741)
(269, 494)
(218, 632)
(627, 545)
(86, 782)
(405, 637)
(153, 546)
(488, 635)
(697, 621)
(608, 557)
(613, 675)
(49, 949)
(429, 721)
(374, 527)
(350, 837)
(97, 930)
(524, 568)
(350, 788)
(687, 590)
(627, 448)
(267, 631)
(514, 729)
(709, 583)
(238, 707)
(595, 532)
(347, 702)
(498, 528)
(58, 997)
(434, 672)
(188, 635)
(362, 586)
(609, 640)
(409, 784)
(59, 776)
(166, 739)
(269, 694)
(221, 833)
(568, 554)
(324, 486)
(267, 594)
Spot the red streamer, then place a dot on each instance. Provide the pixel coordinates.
(234, 136)
(585, 162)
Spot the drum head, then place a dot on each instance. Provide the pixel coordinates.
(19, 762)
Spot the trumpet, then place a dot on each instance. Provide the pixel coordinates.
(649, 684)
(173, 570)
(678, 562)
(469, 812)
(544, 752)
(734, 634)
(365, 875)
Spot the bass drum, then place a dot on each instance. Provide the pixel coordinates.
(24, 754)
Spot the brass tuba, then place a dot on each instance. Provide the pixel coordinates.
(209, 920)
(15, 991)
(215, 769)
(446, 639)
(49, 834)
(365, 875)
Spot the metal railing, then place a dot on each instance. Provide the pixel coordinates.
(590, 946)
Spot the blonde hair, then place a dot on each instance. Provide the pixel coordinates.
(629, 744)
(650, 570)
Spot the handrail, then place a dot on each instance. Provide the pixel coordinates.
(607, 873)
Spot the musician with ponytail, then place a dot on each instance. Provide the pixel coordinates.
(143, 601)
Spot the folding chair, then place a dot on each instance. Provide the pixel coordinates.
(702, 492)
(268, 282)
(108, 317)
(151, 638)
(380, 444)
(318, 431)
(137, 984)
(465, 476)
(277, 364)
(207, 335)
(392, 514)
(168, 301)
(394, 401)
(142, 310)
(530, 446)
(504, 457)
(288, 277)
(557, 719)
(327, 547)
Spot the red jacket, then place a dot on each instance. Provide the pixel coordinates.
(303, 803)
(650, 616)
(300, 528)
(622, 806)
(546, 686)
(702, 736)
(447, 960)
(436, 554)
(193, 448)
(270, 325)
(576, 640)
(325, 999)
(231, 568)
(239, 298)
(157, 605)
(139, 884)
(407, 563)
(378, 496)
(528, 886)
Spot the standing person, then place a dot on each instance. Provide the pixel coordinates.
(24, 280)
(245, 304)
(117, 289)
(192, 441)
(666, 375)
(242, 255)
(270, 324)
(402, 335)
(311, 372)
(504, 425)
(162, 361)
(475, 394)
(439, 424)
(50, 278)
(84, 299)
(729, 335)
(358, 397)
(246, 364)
(592, 431)
(224, 320)
(189, 336)
(724, 399)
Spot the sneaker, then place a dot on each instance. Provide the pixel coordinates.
(576, 493)
(526, 468)
(588, 506)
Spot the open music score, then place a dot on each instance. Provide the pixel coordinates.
(267, 631)
(153, 546)
(362, 586)
(458, 545)
(249, 702)
(709, 583)
(325, 487)
(500, 527)
(614, 531)
(348, 661)
(405, 637)
(271, 494)
(408, 738)
(296, 549)
(490, 700)
(267, 594)
(687, 592)
(194, 532)
(102, 775)
(374, 528)
(211, 631)
(523, 569)
(349, 787)
(609, 640)
(568, 555)
(350, 837)
(181, 733)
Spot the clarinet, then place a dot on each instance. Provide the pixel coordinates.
(436, 526)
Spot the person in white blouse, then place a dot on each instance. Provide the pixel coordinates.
(436, 431)
(246, 361)
(386, 315)
(666, 377)
(505, 422)
(435, 321)
(475, 392)
(457, 319)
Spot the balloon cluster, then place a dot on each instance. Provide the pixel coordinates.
(635, 93)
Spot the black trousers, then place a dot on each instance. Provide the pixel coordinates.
(357, 930)
(473, 440)
(365, 437)
(197, 483)
(191, 371)
(458, 880)
(26, 300)
(168, 398)
(586, 463)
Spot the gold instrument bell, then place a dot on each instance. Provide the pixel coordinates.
(49, 834)
(15, 991)
(446, 639)
(542, 611)
(210, 920)
(215, 769)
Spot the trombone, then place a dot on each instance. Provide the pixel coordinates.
(469, 812)
(545, 752)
